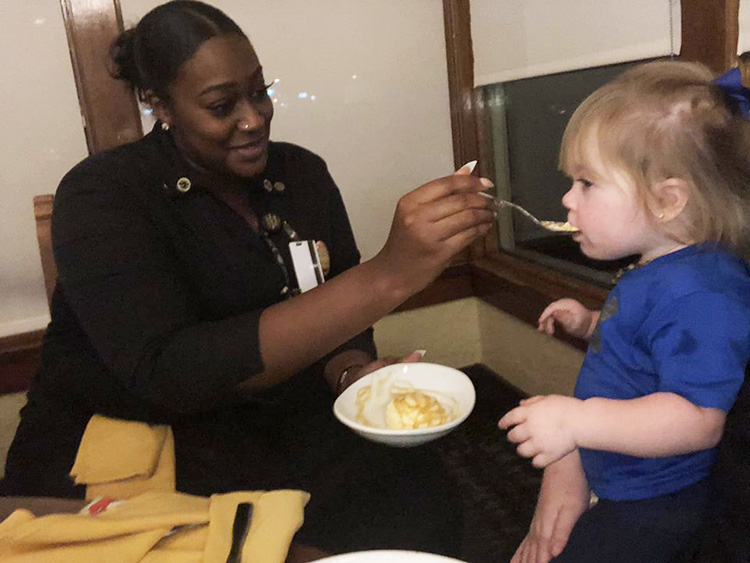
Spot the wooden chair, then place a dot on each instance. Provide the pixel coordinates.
(43, 217)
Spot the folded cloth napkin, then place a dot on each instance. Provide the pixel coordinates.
(157, 527)
(122, 458)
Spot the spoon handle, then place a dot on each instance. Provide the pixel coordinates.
(505, 203)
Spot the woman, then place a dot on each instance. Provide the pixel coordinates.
(176, 299)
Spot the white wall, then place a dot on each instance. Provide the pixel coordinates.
(41, 139)
(743, 43)
(517, 39)
(380, 116)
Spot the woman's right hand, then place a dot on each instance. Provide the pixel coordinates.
(572, 316)
(432, 224)
(564, 496)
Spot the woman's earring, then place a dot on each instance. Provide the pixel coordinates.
(661, 216)
(165, 126)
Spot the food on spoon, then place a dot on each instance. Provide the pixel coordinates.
(559, 226)
(415, 409)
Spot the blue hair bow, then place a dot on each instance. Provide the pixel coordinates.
(737, 95)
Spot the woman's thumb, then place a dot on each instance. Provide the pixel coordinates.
(467, 168)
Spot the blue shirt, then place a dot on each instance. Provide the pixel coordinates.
(680, 324)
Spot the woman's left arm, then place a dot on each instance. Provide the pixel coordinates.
(657, 425)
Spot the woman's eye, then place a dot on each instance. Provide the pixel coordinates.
(260, 94)
(221, 109)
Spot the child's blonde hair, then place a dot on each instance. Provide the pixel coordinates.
(666, 120)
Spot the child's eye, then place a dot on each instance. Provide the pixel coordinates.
(585, 184)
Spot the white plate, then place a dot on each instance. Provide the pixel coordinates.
(442, 381)
(389, 557)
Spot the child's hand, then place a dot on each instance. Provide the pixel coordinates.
(544, 427)
(574, 318)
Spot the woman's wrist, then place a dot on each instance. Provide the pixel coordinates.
(341, 368)
(388, 282)
(345, 378)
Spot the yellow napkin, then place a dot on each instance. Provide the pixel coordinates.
(123, 534)
(122, 458)
(277, 515)
(137, 530)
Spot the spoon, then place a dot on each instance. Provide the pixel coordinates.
(556, 226)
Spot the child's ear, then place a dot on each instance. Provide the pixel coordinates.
(670, 199)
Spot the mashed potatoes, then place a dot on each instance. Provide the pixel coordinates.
(565, 227)
(395, 404)
(415, 410)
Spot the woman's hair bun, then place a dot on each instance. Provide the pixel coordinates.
(122, 54)
(149, 55)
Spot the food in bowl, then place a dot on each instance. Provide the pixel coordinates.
(415, 409)
(398, 405)
(365, 413)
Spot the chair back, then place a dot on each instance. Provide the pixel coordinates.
(43, 218)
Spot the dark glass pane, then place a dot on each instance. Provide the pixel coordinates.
(528, 119)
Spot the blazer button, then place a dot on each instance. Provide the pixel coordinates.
(184, 185)
(271, 222)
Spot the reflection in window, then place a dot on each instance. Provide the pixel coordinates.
(527, 119)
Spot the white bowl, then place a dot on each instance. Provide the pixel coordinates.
(389, 556)
(446, 384)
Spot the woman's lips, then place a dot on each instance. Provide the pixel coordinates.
(251, 150)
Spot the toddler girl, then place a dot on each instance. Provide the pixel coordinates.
(660, 163)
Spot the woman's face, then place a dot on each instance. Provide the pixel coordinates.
(218, 109)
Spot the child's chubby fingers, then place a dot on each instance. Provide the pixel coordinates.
(528, 448)
(540, 461)
(547, 326)
(531, 400)
(511, 418)
(549, 311)
(518, 434)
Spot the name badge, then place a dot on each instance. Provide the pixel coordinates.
(306, 264)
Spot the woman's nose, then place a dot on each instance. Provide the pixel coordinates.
(250, 118)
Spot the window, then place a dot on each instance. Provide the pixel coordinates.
(527, 118)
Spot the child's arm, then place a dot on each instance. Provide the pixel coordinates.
(571, 315)
(564, 496)
(657, 425)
